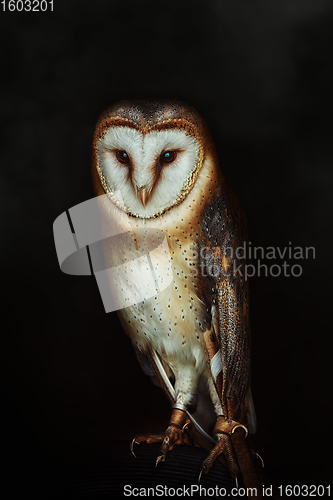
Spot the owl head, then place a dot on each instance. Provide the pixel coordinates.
(149, 151)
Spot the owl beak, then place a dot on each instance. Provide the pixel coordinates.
(144, 196)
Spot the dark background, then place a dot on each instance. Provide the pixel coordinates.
(261, 73)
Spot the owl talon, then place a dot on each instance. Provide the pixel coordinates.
(259, 458)
(134, 441)
(236, 481)
(222, 446)
(173, 435)
(160, 458)
(203, 469)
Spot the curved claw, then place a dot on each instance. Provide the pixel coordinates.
(134, 441)
(160, 458)
(259, 457)
(203, 468)
(236, 481)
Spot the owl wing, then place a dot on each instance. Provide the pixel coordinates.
(225, 292)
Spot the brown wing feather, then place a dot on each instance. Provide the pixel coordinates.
(226, 294)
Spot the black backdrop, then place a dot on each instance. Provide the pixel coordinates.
(261, 73)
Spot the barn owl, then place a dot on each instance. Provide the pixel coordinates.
(193, 337)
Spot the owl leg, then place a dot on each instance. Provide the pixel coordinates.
(185, 384)
(174, 434)
(223, 431)
(223, 450)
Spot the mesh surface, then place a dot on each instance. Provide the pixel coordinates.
(105, 475)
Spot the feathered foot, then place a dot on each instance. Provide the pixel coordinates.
(223, 431)
(223, 446)
(174, 434)
(231, 445)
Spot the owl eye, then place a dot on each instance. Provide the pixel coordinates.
(168, 156)
(122, 157)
